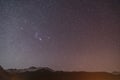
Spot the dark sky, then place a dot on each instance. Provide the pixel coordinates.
(60, 34)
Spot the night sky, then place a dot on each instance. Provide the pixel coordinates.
(71, 35)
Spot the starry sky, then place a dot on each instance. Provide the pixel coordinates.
(71, 35)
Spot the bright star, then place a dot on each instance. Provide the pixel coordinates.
(40, 38)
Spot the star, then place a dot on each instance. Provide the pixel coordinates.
(40, 38)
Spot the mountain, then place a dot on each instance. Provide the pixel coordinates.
(45, 73)
(30, 69)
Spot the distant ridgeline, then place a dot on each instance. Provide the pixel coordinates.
(45, 73)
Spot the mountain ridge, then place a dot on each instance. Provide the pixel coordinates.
(45, 73)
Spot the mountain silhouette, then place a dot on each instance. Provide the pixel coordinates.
(30, 69)
(45, 73)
